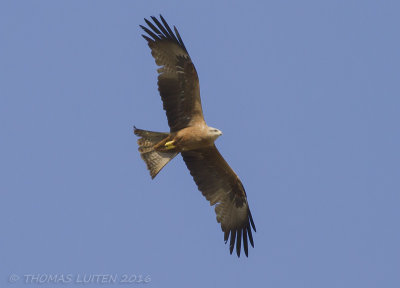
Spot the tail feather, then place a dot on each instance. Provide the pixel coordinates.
(155, 160)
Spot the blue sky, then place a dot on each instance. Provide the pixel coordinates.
(306, 92)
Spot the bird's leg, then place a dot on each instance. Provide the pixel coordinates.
(170, 145)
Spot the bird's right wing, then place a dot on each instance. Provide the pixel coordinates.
(178, 82)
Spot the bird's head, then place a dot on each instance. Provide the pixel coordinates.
(214, 132)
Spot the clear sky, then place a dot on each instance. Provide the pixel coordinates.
(307, 94)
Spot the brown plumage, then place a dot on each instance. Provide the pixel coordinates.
(189, 135)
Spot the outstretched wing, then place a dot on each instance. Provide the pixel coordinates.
(221, 186)
(178, 82)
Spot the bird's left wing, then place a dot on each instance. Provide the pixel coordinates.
(223, 188)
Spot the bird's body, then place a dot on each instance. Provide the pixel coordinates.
(190, 136)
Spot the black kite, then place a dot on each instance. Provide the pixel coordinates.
(189, 135)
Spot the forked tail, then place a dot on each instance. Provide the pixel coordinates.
(155, 160)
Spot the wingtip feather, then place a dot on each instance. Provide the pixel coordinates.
(250, 236)
(232, 242)
(245, 244)
(252, 222)
(226, 236)
(238, 242)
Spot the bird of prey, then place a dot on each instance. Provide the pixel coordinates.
(189, 135)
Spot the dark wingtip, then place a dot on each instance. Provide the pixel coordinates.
(252, 222)
(232, 242)
(237, 237)
(238, 242)
(226, 236)
(147, 21)
(250, 235)
(162, 18)
(245, 244)
(147, 38)
(161, 31)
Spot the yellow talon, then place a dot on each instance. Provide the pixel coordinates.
(170, 145)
